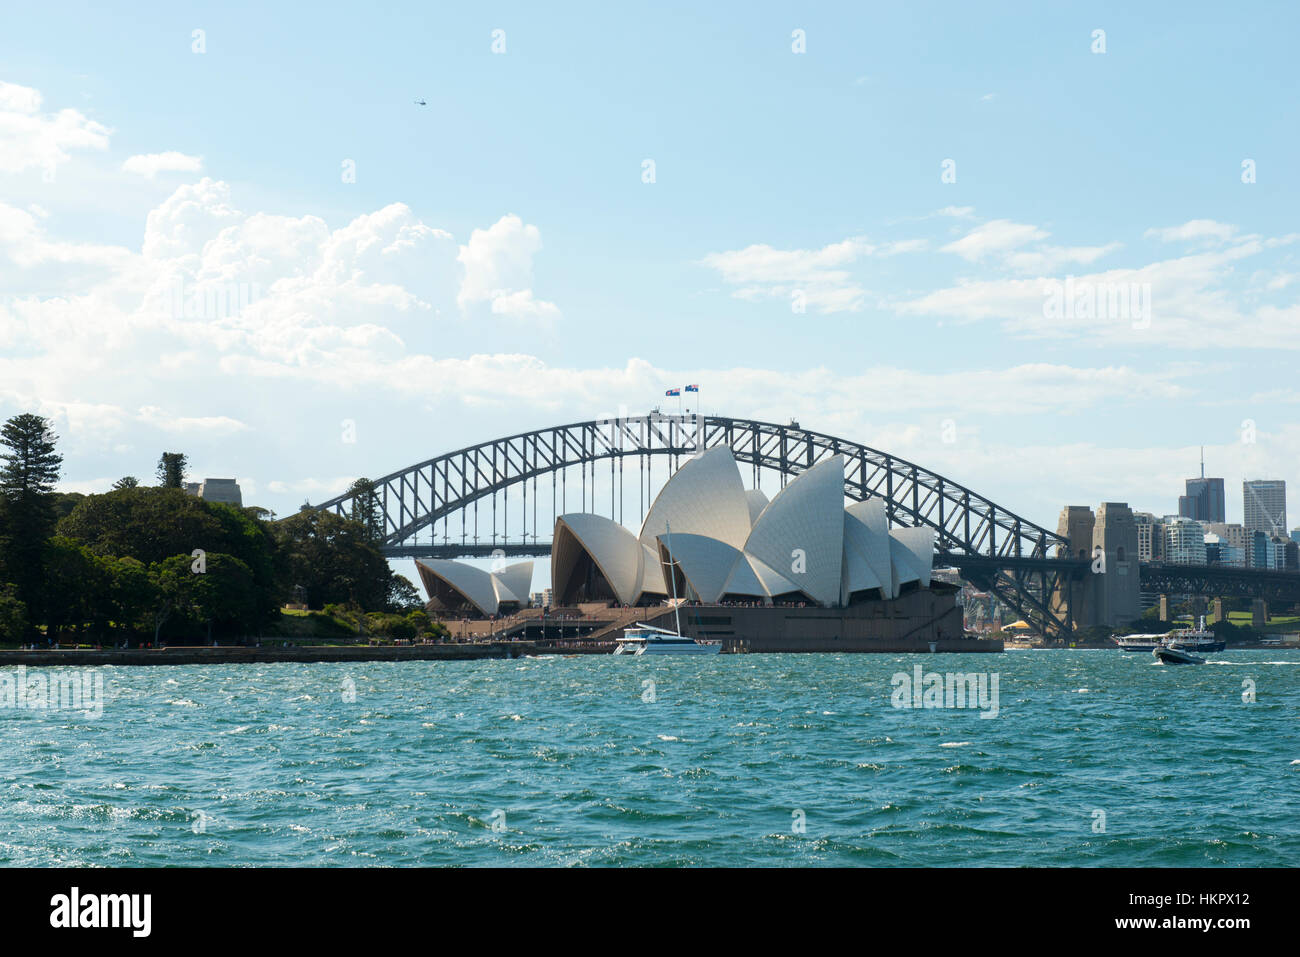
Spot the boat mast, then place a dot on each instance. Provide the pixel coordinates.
(672, 574)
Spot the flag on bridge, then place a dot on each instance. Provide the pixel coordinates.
(673, 392)
(692, 388)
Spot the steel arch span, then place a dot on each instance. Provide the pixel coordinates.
(1007, 554)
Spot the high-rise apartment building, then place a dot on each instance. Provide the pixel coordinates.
(1185, 542)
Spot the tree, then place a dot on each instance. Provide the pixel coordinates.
(170, 582)
(402, 595)
(365, 507)
(31, 466)
(126, 481)
(70, 581)
(130, 594)
(152, 525)
(27, 480)
(13, 616)
(334, 559)
(171, 469)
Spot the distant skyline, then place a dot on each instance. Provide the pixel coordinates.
(894, 236)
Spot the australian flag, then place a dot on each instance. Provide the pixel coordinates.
(692, 388)
(673, 392)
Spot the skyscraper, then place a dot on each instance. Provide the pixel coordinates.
(1264, 502)
(1204, 500)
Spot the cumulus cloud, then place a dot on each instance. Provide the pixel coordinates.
(32, 139)
(150, 165)
(498, 263)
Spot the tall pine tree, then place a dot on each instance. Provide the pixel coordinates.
(171, 469)
(28, 476)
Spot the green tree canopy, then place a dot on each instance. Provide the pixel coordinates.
(152, 525)
(334, 559)
(171, 469)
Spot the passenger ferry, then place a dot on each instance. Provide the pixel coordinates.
(1199, 638)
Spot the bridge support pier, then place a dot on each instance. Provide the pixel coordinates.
(1259, 613)
(1164, 607)
(1217, 611)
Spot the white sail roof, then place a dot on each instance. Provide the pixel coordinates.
(475, 585)
(613, 549)
(912, 551)
(752, 577)
(756, 501)
(515, 581)
(653, 580)
(705, 562)
(704, 497)
(866, 549)
(802, 531)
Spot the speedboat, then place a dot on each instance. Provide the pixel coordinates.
(1196, 639)
(1169, 655)
(642, 639)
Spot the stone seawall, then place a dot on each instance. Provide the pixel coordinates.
(240, 655)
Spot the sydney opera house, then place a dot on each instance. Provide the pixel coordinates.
(800, 572)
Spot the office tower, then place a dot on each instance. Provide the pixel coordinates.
(1204, 500)
(1264, 505)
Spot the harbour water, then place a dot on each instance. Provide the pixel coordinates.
(1093, 758)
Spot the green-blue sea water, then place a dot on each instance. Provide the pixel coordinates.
(1094, 758)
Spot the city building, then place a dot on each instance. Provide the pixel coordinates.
(1204, 500)
(1220, 551)
(1185, 542)
(217, 490)
(1150, 532)
(1264, 505)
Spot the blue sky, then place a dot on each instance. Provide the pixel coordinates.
(499, 263)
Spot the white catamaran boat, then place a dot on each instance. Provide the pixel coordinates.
(643, 639)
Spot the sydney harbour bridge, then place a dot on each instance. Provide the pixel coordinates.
(501, 497)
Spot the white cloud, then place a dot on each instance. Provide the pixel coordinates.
(996, 236)
(151, 164)
(1193, 230)
(820, 277)
(498, 264)
(30, 139)
(1050, 259)
(1192, 305)
(218, 425)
